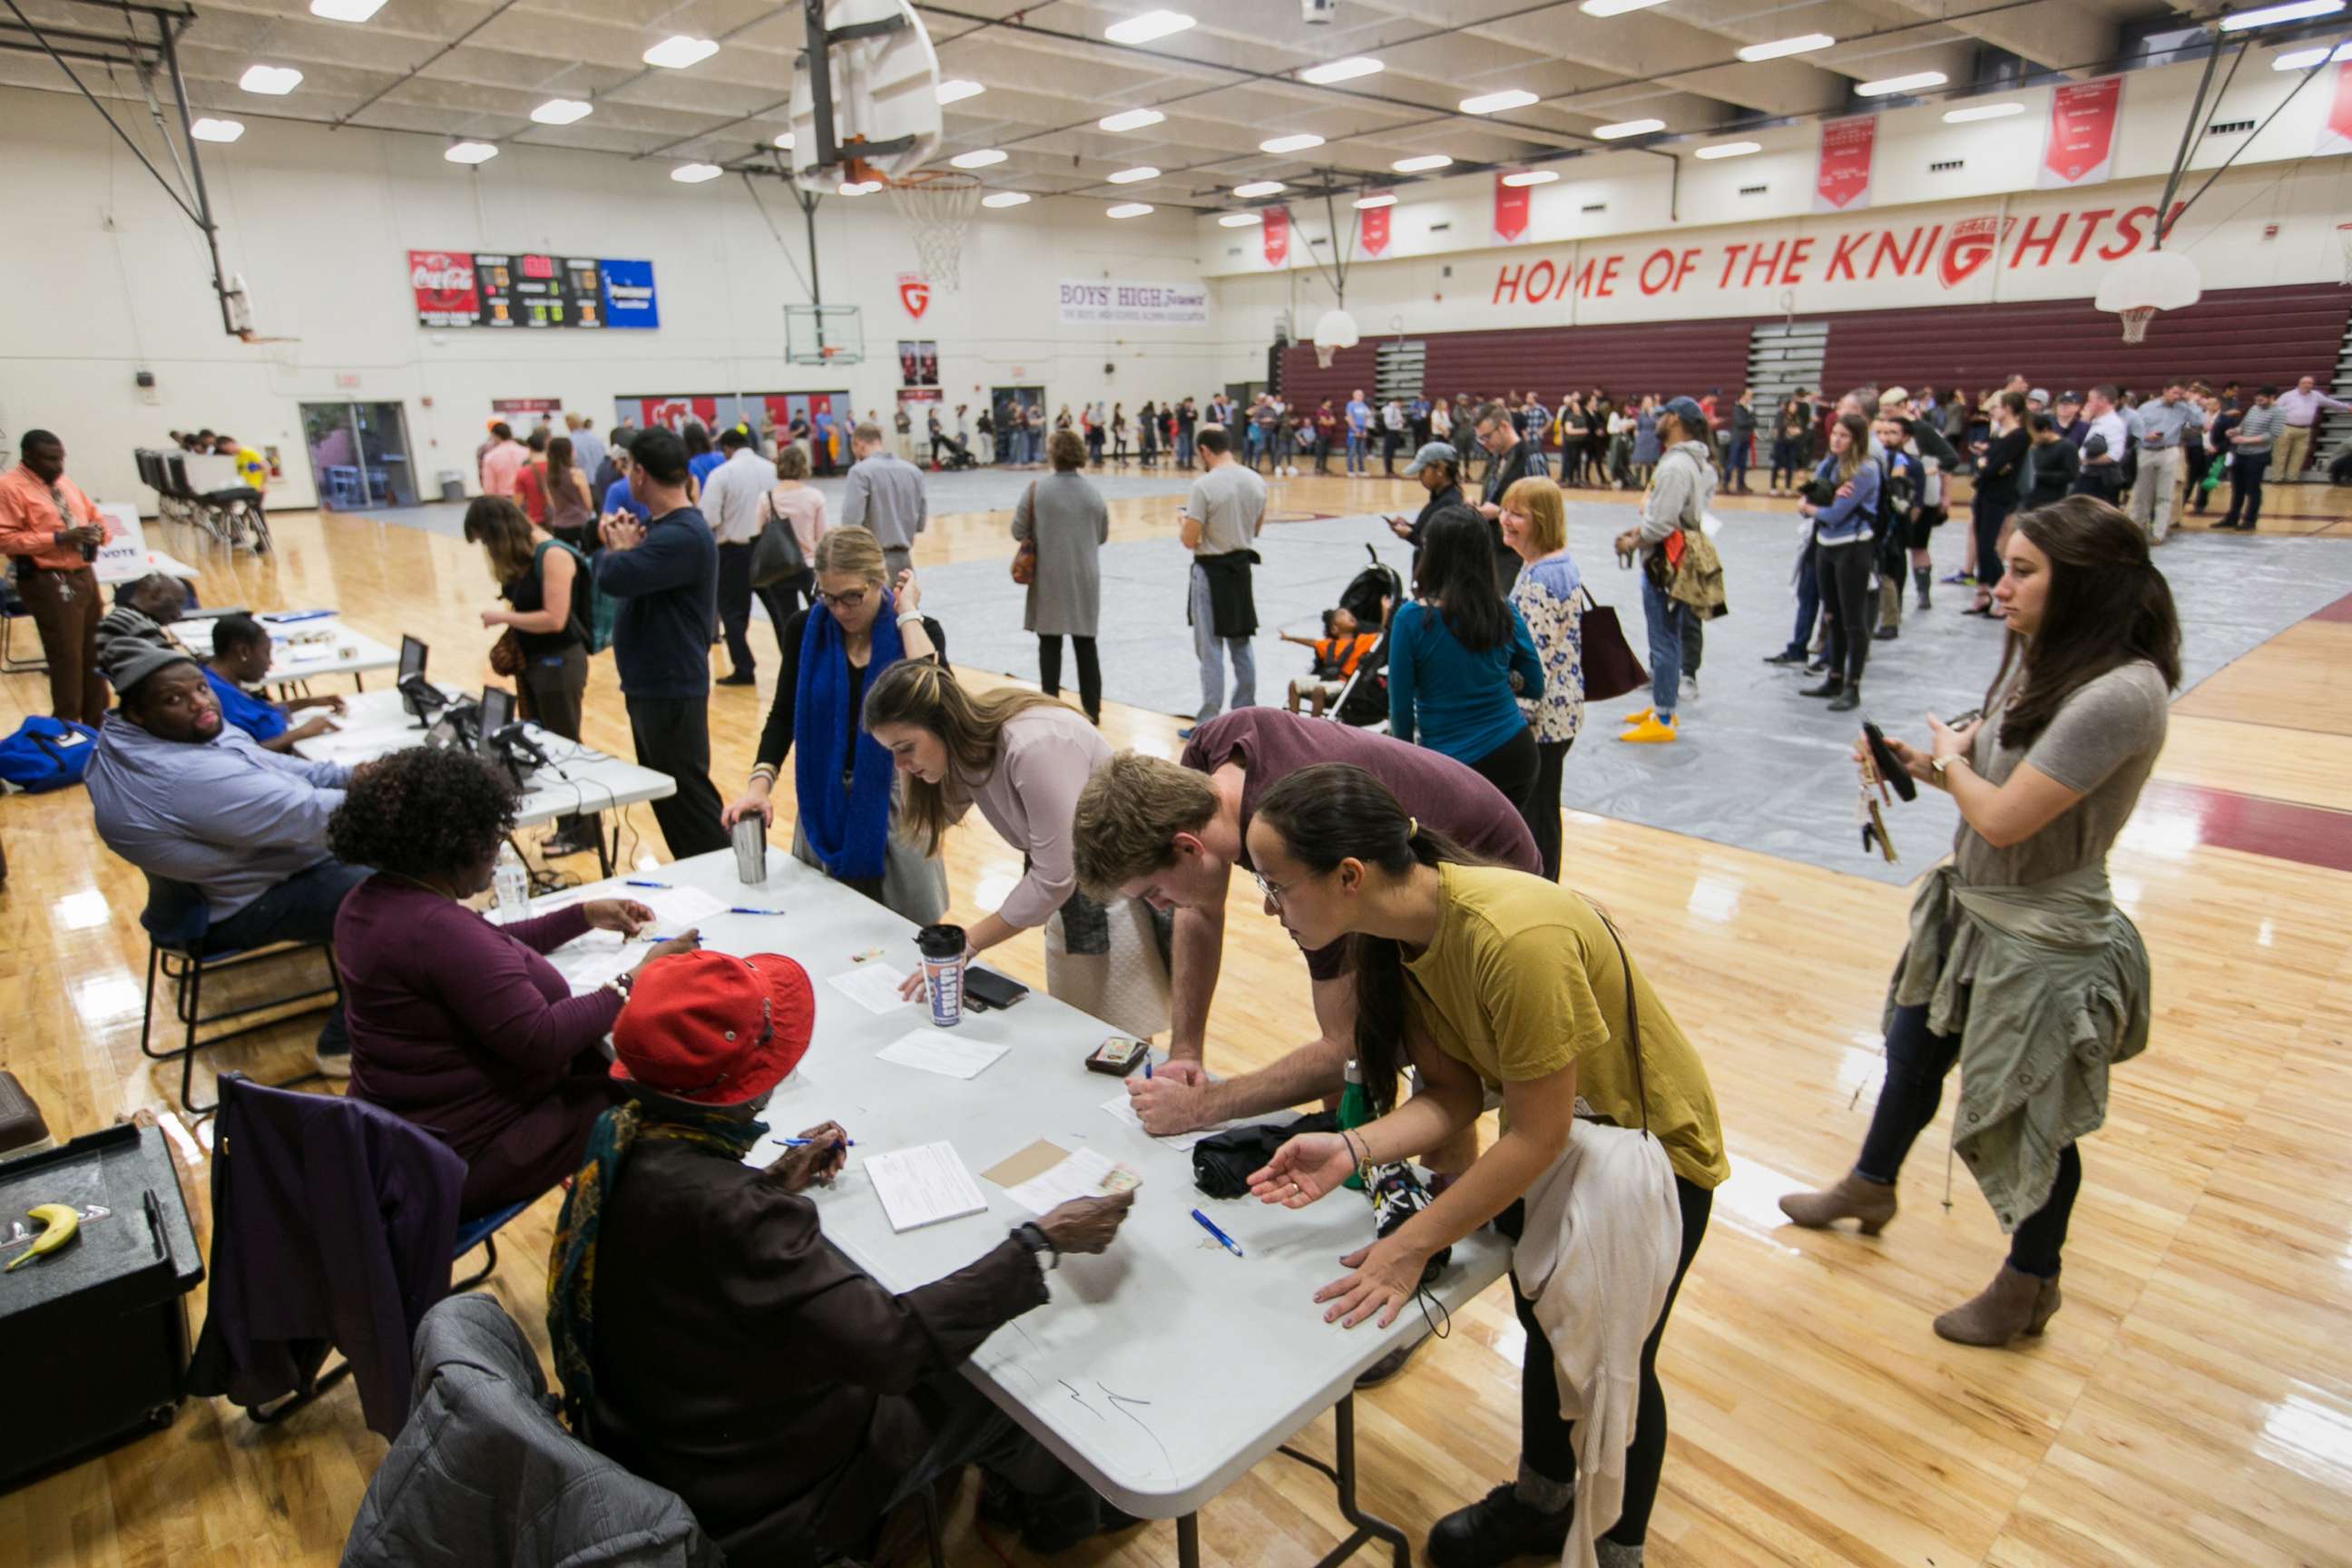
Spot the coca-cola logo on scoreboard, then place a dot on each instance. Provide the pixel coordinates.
(447, 294)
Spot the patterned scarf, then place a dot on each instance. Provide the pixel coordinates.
(571, 1272)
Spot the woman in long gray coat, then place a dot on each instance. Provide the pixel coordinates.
(1063, 517)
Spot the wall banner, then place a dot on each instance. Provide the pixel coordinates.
(2078, 147)
(1274, 233)
(2336, 131)
(1372, 230)
(1510, 211)
(1841, 182)
(1118, 301)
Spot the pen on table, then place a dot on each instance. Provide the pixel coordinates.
(806, 1142)
(741, 909)
(649, 936)
(1228, 1242)
(639, 882)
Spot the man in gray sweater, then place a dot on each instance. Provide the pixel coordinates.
(2250, 458)
(1678, 497)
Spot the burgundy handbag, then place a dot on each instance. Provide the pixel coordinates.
(1610, 668)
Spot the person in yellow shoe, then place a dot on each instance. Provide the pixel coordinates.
(1679, 491)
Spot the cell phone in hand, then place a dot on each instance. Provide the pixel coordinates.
(1882, 760)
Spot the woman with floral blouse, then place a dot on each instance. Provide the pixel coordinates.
(1535, 524)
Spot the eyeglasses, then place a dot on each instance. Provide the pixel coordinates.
(849, 601)
(1274, 891)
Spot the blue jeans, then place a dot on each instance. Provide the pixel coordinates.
(299, 909)
(1666, 618)
(1212, 650)
(1184, 446)
(1808, 605)
(1355, 452)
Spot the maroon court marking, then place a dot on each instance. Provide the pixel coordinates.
(2341, 610)
(2277, 829)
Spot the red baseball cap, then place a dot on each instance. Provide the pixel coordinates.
(713, 1028)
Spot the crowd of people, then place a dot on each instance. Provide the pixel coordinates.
(1419, 872)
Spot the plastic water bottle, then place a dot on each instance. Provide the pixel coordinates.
(511, 880)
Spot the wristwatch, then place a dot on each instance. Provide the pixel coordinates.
(1941, 763)
(1032, 1235)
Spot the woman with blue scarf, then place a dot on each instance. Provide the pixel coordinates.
(842, 777)
(1549, 598)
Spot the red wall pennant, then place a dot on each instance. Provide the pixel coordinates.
(2336, 132)
(2079, 147)
(1510, 211)
(1274, 232)
(1372, 230)
(1841, 182)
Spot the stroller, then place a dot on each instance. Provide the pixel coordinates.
(1363, 703)
(958, 455)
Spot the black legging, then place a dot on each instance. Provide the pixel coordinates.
(1547, 1439)
(1916, 1062)
(1843, 574)
(1785, 460)
(1511, 768)
(1988, 512)
(1543, 802)
(1049, 672)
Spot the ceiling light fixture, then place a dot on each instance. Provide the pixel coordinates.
(1495, 102)
(695, 174)
(210, 130)
(678, 51)
(471, 153)
(1297, 143)
(785, 140)
(1128, 176)
(1150, 24)
(1240, 220)
(1912, 83)
(957, 89)
(345, 10)
(2303, 60)
(1729, 150)
(1531, 178)
(1132, 210)
(275, 81)
(2295, 11)
(1259, 188)
(1005, 199)
(1130, 119)
(1341, 70)
(1385, 199)
(1803, 44)
(1421, 164)
(1976, 112)
(980, 158)
(1616, 7)
(1625, 128)
(562, 111)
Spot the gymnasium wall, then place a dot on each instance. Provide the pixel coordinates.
(106, 278)
(1953, 217)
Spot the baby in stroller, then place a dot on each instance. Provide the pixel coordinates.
(1348, 674)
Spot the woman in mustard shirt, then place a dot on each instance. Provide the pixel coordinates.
(1494, 982)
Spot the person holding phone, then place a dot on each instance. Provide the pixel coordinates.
(1492, 984)
(1438, 466)
(2020, 968)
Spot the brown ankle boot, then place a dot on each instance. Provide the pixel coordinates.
(2013, 1304)
(1872, 1202)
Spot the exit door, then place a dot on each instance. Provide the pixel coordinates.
(359, 455)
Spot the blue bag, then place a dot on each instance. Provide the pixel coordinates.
(46, 754)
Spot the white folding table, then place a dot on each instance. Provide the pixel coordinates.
(331, 645)
(1162, 1369)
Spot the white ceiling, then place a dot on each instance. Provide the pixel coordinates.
(475, 68)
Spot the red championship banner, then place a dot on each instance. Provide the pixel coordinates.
(1373, 229)
(447, 294)
(1510, 212)
(1841, 182)
(2078, 149)
(1275, 231)
(2336, 132)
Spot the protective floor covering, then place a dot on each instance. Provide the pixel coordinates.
(1758, 766)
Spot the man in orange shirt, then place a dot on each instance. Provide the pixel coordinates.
(51, 532)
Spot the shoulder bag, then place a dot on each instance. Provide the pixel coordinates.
(1025, 558)
(1610, 668)
(776, 554)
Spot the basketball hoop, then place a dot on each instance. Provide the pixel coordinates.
(1334, 331)
(2344, 234)
(2140, 286)
(937, 205)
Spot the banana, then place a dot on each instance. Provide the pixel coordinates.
(61, 1221)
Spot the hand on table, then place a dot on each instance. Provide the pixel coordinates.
(1086, 1225)
(1307, 1167)
(309, 727)
(686, 941)
(624, 915)
(1174, 1098)
(818, 1161)
(1387, 1273)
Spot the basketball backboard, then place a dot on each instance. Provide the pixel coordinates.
(868, 69)
(824, 334)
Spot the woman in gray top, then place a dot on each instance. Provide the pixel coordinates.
(1063, 518)
(2019, 967)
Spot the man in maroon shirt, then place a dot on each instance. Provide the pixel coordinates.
(1172, 836)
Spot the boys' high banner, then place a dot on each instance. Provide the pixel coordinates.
(2079, 147)
(1841, 180)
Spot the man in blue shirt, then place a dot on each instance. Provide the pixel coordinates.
(1359, 421)
(241, 655)
(232, 839)
(664, 571)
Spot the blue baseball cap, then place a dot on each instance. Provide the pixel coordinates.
(1685, 409)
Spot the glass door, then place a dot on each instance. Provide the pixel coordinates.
(359, 455)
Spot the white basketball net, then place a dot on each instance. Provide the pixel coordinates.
(937, 206)
(2136, 320)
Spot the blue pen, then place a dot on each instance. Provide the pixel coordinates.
(1228, 1242)
(804, 1143)
(649, 936)
(635, 882)
(739, 909)
(1147, 1068)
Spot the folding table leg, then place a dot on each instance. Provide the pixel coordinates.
(1188, 1540)
(1369, 1528)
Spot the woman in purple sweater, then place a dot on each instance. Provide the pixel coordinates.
(459, 1026)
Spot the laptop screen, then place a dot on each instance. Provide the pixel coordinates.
(412, 658)
(498, 713)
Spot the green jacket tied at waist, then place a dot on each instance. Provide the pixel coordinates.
(2057, 984)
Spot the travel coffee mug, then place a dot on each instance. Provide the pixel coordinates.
(752, 848)
(942, 949)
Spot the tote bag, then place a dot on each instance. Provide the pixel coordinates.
(1610, 668)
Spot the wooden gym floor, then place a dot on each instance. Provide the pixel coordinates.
(2192, 1404)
